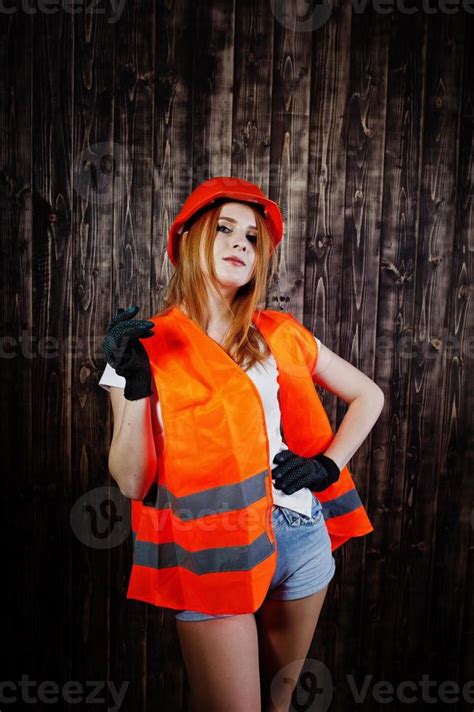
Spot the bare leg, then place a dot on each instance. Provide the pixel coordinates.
(221, 658)
(285, 630)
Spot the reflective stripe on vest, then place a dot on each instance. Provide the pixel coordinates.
(203, 536)
(227, 558)
(210, 501)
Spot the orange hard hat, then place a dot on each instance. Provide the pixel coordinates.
(212, 191)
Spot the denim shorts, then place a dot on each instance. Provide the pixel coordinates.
(305, 563)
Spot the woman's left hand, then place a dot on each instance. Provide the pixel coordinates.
(294, 472)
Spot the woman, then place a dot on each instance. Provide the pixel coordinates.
(200, 405)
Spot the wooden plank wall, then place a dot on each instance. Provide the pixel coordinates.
(362, 130)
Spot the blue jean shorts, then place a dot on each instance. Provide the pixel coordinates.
(305, 563)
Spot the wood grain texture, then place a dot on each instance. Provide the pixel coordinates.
(92, 631)
(289, 159)
(172, 161)
(362, 131)
(19, 493)
(213, 27)
(366, 116)
(425, 465)
(252, 94)
(462, 315)
(325, 242)
(52, 458)
(395, 316)
(134, 87)
(450, 633)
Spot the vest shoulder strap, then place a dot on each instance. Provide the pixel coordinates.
(303, 336)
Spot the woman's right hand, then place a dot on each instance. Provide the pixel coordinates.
(124, 352)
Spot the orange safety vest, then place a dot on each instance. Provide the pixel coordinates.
(203, 536)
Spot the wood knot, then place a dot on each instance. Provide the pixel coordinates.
(436, 260)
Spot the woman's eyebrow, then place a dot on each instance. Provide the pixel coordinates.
(223, 217)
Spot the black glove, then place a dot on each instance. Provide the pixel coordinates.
(294, 472)
(126, 354)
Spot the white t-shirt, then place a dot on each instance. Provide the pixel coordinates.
(264, 376)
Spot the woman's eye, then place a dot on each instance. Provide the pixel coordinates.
(252, 238)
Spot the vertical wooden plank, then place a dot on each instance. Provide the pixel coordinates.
(131, 263)
(324, 240)
(451, 601)
(326, 178)
(289, 151)
(366, 120)
(16, 136)
(395, 317)
(462, 326)
(212, 89)
(426, 457)
(252, 93)
(172, 169)
(95, 572)
(51, 469)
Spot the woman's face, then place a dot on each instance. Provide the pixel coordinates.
(235, 237)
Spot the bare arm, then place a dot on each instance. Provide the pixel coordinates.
(365, 400)
(132, 456)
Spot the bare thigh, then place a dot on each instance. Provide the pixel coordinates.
(221, 659)
(285, 630)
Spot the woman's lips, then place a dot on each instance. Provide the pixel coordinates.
(234, 261)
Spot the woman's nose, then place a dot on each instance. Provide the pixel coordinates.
(241, 240)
